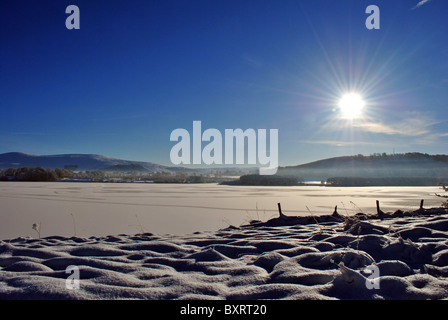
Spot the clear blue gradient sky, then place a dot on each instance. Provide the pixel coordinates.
(136, 70)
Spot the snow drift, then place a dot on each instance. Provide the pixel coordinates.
(326, 257)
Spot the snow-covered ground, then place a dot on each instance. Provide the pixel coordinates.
(336, 258)
(110, 242)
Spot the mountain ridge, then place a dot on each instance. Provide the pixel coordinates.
(405, 165)
(82, 162)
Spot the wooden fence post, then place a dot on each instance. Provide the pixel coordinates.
(335, 212)
(280, 210)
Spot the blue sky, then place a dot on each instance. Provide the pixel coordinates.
(137, 70)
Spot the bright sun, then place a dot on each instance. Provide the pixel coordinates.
(351, 106)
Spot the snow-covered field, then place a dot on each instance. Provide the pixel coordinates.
(344, 256)
(95, 209)
(407, 257)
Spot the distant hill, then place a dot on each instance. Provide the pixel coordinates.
(92, 162)
(77, 162)
(407, 165)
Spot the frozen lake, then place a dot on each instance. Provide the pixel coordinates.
(97, 209)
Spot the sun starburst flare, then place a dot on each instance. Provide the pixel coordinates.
(351, 106)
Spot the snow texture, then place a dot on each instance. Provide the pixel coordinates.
(283, 258)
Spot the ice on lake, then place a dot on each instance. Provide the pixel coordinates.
(99, 209)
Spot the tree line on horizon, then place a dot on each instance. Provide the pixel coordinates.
(407, 155)
(51, 175)
(34, 174)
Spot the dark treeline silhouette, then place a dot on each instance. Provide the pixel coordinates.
(260, 180)
(34, 174)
